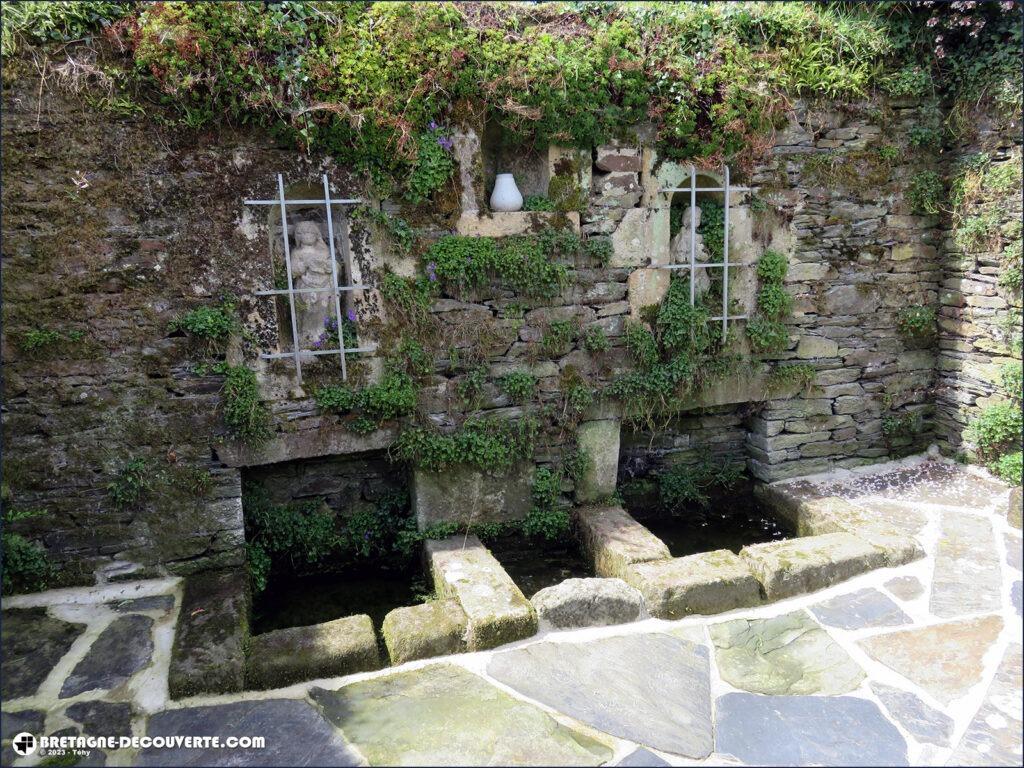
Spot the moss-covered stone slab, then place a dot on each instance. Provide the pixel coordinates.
(835, 515)
(652, 689)
(783, 655)
(613, 540)
(443, 715)
(213, 625)
(587, 603)
(708, 582)
(481, 497)
(435, 628)
(121, 650)
(1013, 510)
(496, 609)
(33, 642)
(295, 734)
(599, 440)
(797, 566)
(330, 649)
(946, 660)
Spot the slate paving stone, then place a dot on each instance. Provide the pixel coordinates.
(943, 659)
(856, 610)
(33, 642)
(967, 576)
(930, 482)
(23, 720)
(806, 730)
(162, 603)
(1015, 596)
(443, 715)
(994, 735)
(1014, 551)
(295, 733)
(652, 689)
(102, 718)
(121, 650)
(924, 723)
(642, 757)
(788, 654)
(905, 587)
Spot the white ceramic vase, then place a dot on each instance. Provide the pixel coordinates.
(506, 195)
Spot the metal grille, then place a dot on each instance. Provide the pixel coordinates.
(335, 289)
(693, 264)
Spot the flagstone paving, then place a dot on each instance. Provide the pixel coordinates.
(919, 664)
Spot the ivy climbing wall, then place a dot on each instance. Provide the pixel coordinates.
(115, 228)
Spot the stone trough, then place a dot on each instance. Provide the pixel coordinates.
(477, 606)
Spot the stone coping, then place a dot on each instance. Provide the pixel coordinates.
(836, 541)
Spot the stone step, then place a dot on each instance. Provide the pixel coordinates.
(497, 611)
(795, 566)
(435, 628)
(706, 583)
(613, 540)
(331, 649)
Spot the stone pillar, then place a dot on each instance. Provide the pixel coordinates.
(599, 440)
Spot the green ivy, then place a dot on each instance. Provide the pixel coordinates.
(546, 519)
(559, 337)
(996, 430)
(26, 566)
(433, 166)
(209, 323)
(596, 340)
(245, 415)
(490, 444)
(132, 484)
(519, 386)
(1008, 467)
(523, 263)
(392, 397)
(537, 203)
(925, 192)
(916, 322)
(682, 485)
(766, 331)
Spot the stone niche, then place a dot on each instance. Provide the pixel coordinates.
(346, 483)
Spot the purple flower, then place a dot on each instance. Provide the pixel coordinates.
(446, 143)
(351, 315)
(433, 125)
(431, 274)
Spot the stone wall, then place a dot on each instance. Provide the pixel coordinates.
(114, 226)
(979, 319)
(857, 257)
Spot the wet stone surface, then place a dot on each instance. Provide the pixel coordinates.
(806, 730)
(121, 650)
(641, 758)
(663, 702)
(787, 654)
(864, 608)
(33, 642)
(295, 735)
(442, 714)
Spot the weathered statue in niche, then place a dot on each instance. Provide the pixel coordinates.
(311, 268)
(680, 249)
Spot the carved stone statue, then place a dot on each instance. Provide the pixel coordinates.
(311, 268)
(680, 249)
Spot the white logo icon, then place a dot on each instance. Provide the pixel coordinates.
(24, 744)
